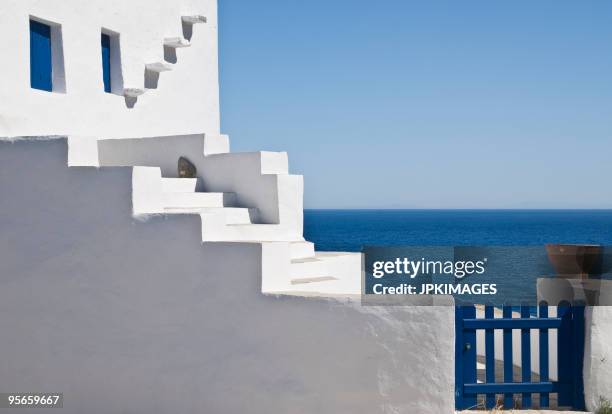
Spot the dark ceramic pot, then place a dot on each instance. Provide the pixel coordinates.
(574, 260)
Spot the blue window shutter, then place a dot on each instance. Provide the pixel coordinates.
(40, 56)
(106, 65)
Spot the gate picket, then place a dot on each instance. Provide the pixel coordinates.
(490, 357)
(508, 366)
(526, 356)
(543, 314)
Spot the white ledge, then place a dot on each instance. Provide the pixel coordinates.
(194, 19)
(176, 42)
(159, 66)
(133, 92)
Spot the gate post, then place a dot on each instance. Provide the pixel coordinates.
(458, 358)
(465, 357)
(578, 332)
(565, 357)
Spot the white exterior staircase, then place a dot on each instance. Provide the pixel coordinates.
(239, 197)
(251, 199)
(133, 91)
(179, 196)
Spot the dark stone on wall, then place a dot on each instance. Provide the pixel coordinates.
(186, 169)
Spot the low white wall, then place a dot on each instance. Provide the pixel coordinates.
(598, 355)
(162, 152)
(128, 316)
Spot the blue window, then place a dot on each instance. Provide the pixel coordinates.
(106, 62)
(41, 76)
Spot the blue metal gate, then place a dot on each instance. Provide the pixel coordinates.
(569, 389)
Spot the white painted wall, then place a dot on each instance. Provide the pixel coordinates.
(186, 100)
(136, 316)
(598, 355)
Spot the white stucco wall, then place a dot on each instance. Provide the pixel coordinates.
(598, 355)
(185, 101)
(123, 315)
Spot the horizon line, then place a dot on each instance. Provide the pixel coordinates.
(458, 209)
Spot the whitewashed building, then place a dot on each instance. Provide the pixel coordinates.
(132, 289)
(129, 288)
(135, 84)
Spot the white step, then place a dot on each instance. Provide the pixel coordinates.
(231, 215)
(327, 273)
(213, 231)
(302, 249)
(159, 66)
(176, 42)
(316, 279)
(198, 200)
(179, 185)
(338, 272)
(194, 19)
(308, 268)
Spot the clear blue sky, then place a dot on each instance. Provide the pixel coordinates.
(425, 104)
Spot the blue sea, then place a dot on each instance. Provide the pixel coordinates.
(515, 270)
(349, 230)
